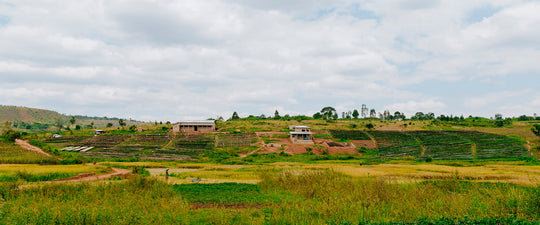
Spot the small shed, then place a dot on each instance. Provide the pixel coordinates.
(98, 132)
(195, 126)
(301, 135)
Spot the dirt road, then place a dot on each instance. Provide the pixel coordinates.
(83, 178)
(24, 144)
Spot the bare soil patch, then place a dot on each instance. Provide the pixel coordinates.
(24, 144)
(124, 173)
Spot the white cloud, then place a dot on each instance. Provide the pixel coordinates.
(196, 59)
(411, 107)
(495, 97)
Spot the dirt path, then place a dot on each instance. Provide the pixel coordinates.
(528, 146)
(24, 144)
(83, 178)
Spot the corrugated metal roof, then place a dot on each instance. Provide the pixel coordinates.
(300, 126)
(300, 132)
(198, 121)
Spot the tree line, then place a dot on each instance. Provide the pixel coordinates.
(330, 113)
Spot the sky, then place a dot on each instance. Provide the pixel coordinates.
(166, 60)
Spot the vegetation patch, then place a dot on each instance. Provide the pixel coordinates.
(227, 194)
(350, 134)
(12, 153)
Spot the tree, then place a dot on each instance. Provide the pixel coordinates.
(387, 115)
(7, 126)
(328, 112)
(372, 113)
(276, 115)
(364, 110)
(59, 123)
(370, 126)
(355, 114)
(536, 129)
(235, 116)
(72, 120)
(121, 122)
(77, 127)
(317, 115)
(109, 124)
(8, 134)
(498, 116)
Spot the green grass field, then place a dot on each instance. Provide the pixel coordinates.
(14, 154)
(287, 197)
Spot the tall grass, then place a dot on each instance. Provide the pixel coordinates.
(312, 197)
(336, 198)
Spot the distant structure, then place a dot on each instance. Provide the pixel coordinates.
(195, 126)
(98, 132)
(301, 135)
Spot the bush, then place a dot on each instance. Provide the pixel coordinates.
(11, 135)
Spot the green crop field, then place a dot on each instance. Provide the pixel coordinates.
(14, 154)
(229, 177)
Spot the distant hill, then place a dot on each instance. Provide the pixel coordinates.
(36, 120)
(28, 115)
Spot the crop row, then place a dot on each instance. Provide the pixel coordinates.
(447, 144)
(235, 140)
(396, 144)
(350, 134)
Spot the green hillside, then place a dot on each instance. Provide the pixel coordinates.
(39, 120)
(29, 115)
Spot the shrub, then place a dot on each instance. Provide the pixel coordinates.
(11, 135)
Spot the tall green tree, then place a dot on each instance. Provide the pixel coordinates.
(355, 114)
(72, 120)
(364, 110)
(372, 113)
(235, 116)
(328, 112)
(276, 115)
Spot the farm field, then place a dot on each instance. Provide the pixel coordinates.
(13, 153)
(393, 173)
(504, 172)
(284, 193)
(33, 172)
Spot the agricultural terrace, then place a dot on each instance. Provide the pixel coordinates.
(439, 145)
(477, 178)
(15, 154)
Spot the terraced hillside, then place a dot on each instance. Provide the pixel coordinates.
(390, 144)
(393, 144)
(494, 146)
(350, 134)
(447, 145)
(150, 146)
(443, 145)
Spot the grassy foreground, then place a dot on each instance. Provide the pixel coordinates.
(286, 197)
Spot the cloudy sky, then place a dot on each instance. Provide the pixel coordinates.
(173, 60)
